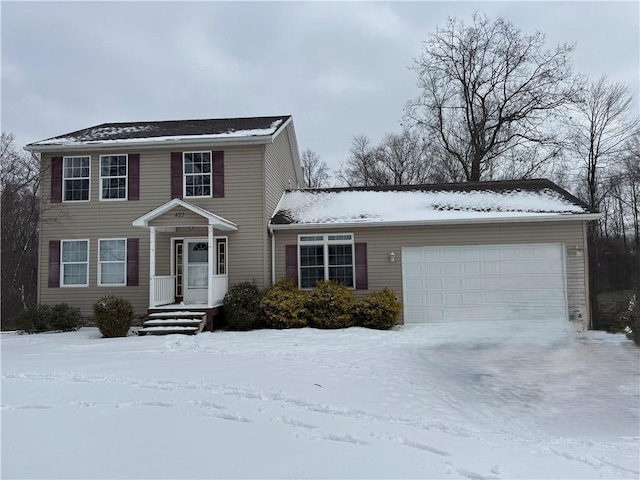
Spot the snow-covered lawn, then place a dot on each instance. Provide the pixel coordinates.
(489, 401)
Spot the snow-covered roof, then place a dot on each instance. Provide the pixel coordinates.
(463, 202)
(167, 131)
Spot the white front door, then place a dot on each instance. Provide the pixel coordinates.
(196, 269)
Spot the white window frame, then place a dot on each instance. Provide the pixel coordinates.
(125, 176)
(325, 240)
(185, 174)
(100, 262)
(64, 178)
(217, 242)
(63, 263)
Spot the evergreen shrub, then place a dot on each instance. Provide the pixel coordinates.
(34, 319)
(65, 317)
(282, 306)
(329, 305)
(379, 310)
(242, 307)
(113, 315)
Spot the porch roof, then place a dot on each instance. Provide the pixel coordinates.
(214, 220)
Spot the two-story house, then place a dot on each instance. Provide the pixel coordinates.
(162, 213)
(169, 214)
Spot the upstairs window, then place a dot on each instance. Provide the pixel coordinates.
(75, 263)
(113, 177)
(76, 178)
(197, 174)
(326, 257)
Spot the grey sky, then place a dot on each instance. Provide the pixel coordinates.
(339, 68)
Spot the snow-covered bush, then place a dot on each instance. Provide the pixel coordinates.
(380, 310)
(242, 307)
(65, 317)
(34, 319)
(113, 315)
(282, 306)
(329, 305)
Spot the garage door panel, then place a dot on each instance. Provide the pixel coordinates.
(495, 282)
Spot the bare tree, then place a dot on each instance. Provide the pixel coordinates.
(600, 125)
(399, 159)
(316, 172)
(363, 168)
(403, 158)
(19, 190)
(489, 94)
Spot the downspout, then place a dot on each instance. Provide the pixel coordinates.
(273, 254)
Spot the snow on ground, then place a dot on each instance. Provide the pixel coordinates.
(478, 401)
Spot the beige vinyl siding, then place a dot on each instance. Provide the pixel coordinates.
(383, 240)
(281, 157)
(242, 205)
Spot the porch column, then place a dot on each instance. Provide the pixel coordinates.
(211, 266)
(152, 267)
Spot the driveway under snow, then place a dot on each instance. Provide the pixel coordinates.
(489, 401)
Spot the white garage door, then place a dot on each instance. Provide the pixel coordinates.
(492, 282)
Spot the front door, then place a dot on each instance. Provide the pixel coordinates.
(196, 270)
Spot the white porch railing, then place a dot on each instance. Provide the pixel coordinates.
(164, 290)
(220, 287)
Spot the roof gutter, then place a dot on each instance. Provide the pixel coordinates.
(445, 221)
(149, 144)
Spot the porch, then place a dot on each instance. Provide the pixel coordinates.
(188, 267)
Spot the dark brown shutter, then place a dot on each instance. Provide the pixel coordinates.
(362, 281)
(176, 174)
(292, 263)
(133, 172)
(132, 262)
(56, 180)
(54, 263)
(218, 174)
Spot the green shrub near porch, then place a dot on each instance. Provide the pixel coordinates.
(282, 306)
(330, 305)
(242, 307)
(113, 316)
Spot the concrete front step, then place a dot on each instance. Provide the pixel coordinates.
(166, 330)
(164, 323)
(172, 322)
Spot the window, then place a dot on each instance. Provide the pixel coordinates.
(75, 263)
(197, 174)
(112, 262)
(326, 257)
(113, 177)
(221, 254)
(76, 178)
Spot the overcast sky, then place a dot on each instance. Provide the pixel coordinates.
(339, 68)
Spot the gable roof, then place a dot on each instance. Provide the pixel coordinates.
(212, 219)
(218, 130)
(502, 201)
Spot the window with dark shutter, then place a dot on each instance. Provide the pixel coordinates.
(132, 261)
(56, 180)
(292, 263)
(54, 261)
(218, 174)
(362, 281)
(133, 171)
(176, 174)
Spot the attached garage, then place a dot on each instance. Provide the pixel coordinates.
(512, 251)
(488, 282)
